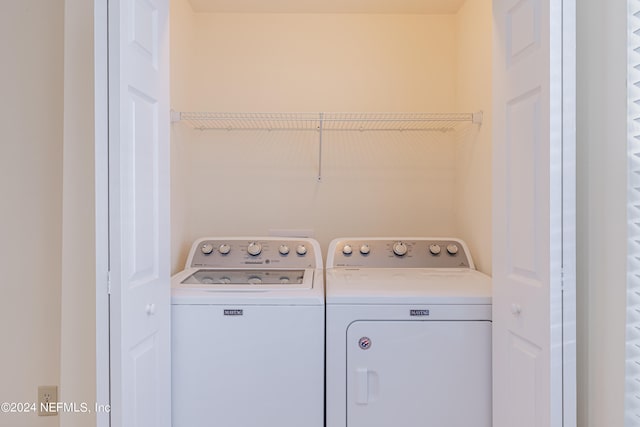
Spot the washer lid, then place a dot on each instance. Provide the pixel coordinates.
(407, 286)
(224, 279)
(248, 286)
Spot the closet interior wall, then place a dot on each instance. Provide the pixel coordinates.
(377, 183)
(472, 189)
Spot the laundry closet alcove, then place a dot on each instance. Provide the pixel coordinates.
(368, 122)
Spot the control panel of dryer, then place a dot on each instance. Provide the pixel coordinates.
(249, 253)
(399, 253)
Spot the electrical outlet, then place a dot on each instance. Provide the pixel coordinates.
(47, 399)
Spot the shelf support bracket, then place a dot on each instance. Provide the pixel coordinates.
(320, 128)
(176, 116)
(477, 117)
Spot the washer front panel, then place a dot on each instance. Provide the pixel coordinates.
(248, 321)
(244, 365)
(379, 253)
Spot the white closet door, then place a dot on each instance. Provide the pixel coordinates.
(528, 212)
(139, 213)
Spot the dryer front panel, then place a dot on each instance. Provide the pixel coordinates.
(419, 373)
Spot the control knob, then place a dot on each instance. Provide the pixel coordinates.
(283, 249)
(224, 249)
(301, 250)
(347, 250)
(434, 249)
(452, 249)
(399, 248)
(254, 280)
(365, 249)
(254, 248)
(207, 248)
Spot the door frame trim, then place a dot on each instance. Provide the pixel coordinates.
(569, 308)
(101, 93)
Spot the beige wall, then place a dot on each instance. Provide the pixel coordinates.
(373, 183)
(324, 62)
(31, 85)
(601, 236)
(183, 53)
(473, 149)
(78, 302)
(48, 303)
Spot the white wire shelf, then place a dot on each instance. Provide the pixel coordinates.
(443, 122)
(323, 122)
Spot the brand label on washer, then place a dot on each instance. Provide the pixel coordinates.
(234, 312)
(419, 312)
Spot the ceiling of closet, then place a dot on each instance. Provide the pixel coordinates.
(329, 6)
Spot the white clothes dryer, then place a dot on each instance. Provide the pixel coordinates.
(248, 334)
(408, 334)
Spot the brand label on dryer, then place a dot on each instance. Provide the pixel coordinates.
(419, 312)
(364, 343)
(234, 312)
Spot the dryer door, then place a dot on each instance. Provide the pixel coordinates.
(419, 373)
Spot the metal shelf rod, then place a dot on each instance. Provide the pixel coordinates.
(325, 129)
(327, 122)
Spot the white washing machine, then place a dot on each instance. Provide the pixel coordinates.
(248, 334)
(408, 334)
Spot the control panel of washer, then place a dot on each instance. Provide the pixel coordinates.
(400, 253)
(259, 253)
